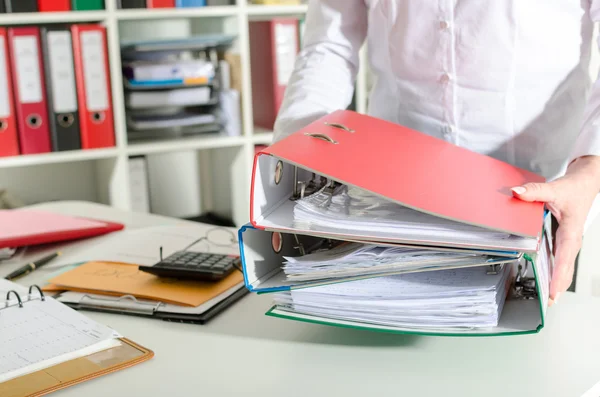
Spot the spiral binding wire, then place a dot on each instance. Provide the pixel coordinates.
(15, 295)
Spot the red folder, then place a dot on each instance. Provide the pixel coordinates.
(9, 143)
(25, 227)
(30, 93)
(93, 86)
(405, 166)
(54, 5)
(161, 4)
(273, 50)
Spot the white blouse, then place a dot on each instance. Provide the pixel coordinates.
(507, 78)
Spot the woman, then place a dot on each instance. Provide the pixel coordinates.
(507, 78)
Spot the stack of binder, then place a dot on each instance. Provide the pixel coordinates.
(55, 89)
(18, 6)
(362, 223)
(172, 87)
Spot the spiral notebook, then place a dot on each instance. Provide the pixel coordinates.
(46, 346)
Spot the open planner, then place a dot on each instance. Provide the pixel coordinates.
(359, 222)
(46, 346)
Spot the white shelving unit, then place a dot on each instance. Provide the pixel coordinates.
(102, 175)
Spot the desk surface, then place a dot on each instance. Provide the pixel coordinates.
(244, 352)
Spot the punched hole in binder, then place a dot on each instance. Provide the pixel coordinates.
(3, 125)
(276, 242)
(97, 117)
(34, 121)
(278, 172)
(65, 120)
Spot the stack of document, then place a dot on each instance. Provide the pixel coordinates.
(172, 86)
(356, 209)
(459, 298)
(363, 223)
(435, 297)
(357, 259)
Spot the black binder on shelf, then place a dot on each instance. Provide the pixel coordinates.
(2, 7)
(57, 48)
(126, 4)
(20, 5)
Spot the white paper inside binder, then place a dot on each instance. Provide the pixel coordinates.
(447, 302)
(350, 213)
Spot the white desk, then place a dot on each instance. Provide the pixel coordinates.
(242, 352)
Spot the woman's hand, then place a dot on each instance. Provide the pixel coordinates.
(569, 199)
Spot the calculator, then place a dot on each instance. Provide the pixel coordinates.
(194, 265)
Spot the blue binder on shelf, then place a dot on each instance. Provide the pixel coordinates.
(190, 3)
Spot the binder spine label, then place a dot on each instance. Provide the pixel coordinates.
(4, 83)
(29, 78)
(286, 49)
(94, 67)
(64, 93)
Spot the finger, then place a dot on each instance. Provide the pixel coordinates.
(568, 243)
(543, 192)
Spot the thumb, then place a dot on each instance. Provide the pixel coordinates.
(543, 192)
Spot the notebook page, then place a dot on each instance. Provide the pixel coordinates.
(43, 333)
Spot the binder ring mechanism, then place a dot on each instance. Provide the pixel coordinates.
(323, 137)
(12, 294)
(141, 306)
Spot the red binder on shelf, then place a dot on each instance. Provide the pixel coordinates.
(273, 51)
(160, 3)
(30, 94)
(9, 143)
(93, 86)
(404, 166)
(54, 5)
(26, 227)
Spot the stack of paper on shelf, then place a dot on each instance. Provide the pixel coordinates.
(360, 222)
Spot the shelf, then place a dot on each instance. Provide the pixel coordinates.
(57, 157)
(208, 141)
(262, 138)
(51, 17)
(265, 10)
(210, 11)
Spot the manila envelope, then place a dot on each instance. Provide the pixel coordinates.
(117, 279)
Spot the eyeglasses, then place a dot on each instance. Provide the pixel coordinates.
(213, 238)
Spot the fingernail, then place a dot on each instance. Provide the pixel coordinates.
(556, 298)
(550, 302)
(519, 189)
